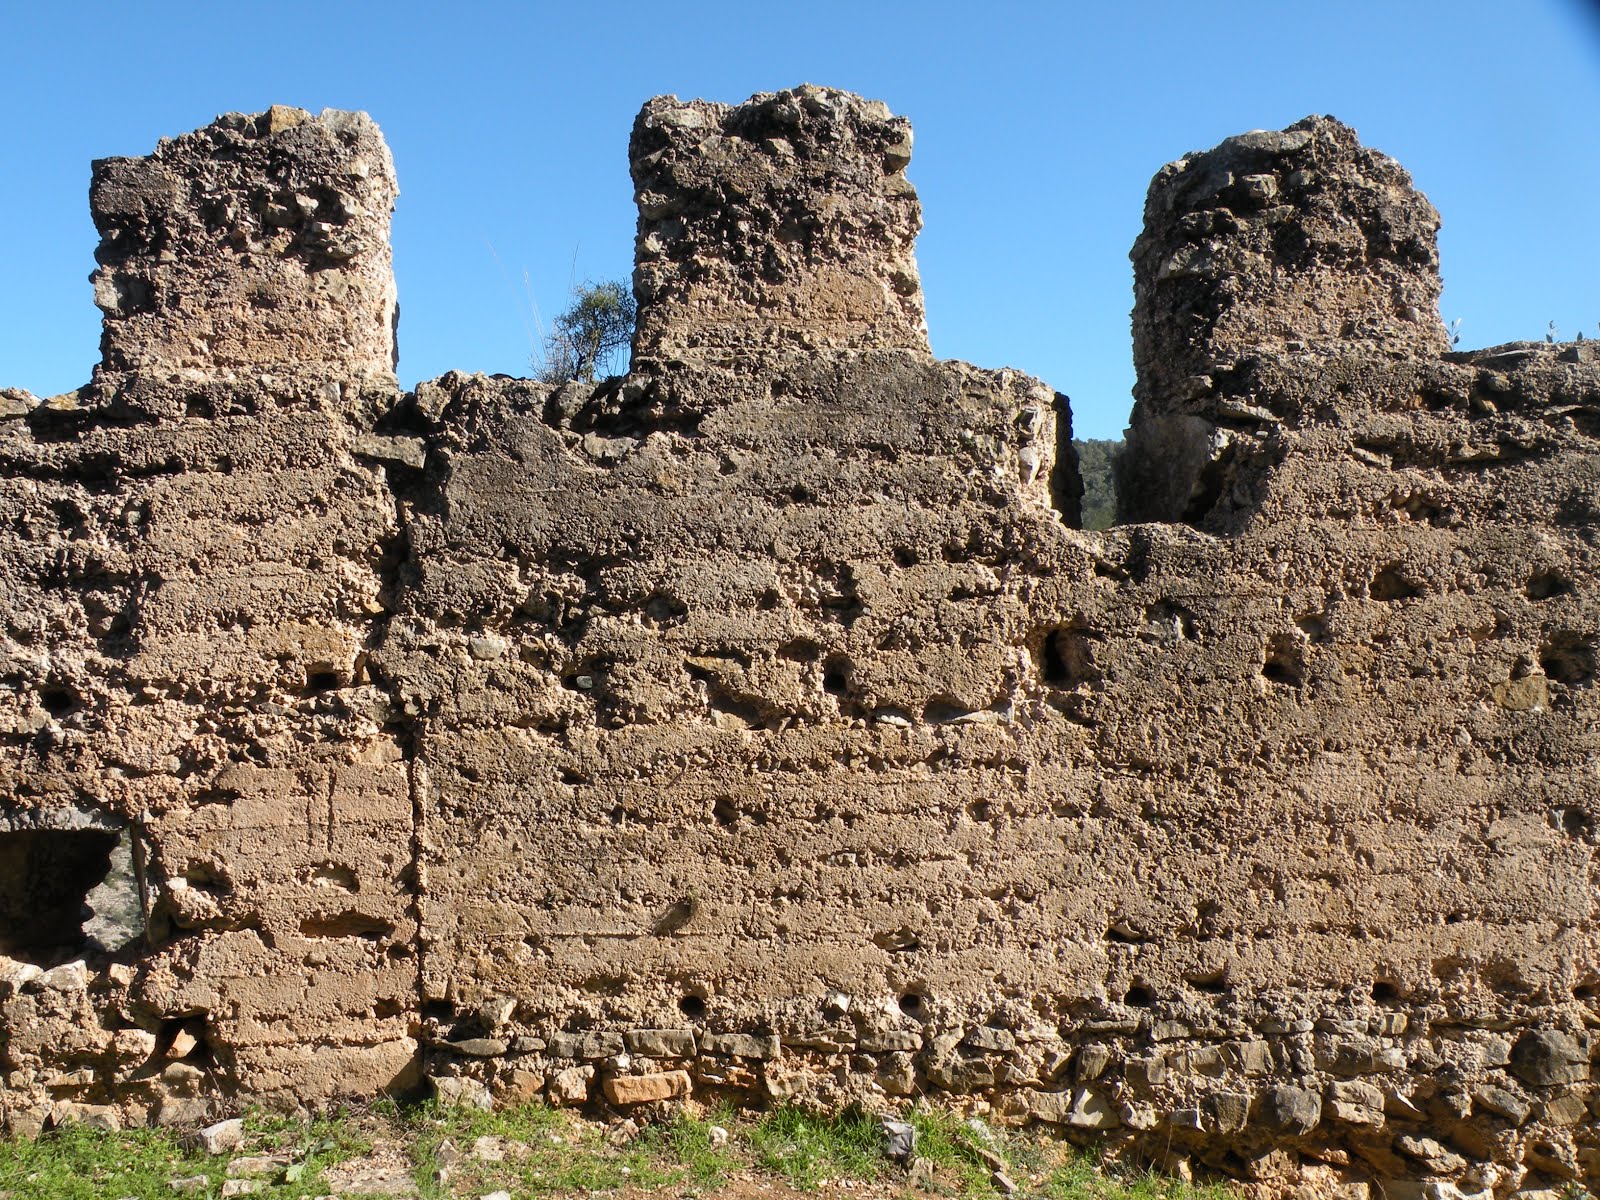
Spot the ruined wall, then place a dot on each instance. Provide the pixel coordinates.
(759, 722)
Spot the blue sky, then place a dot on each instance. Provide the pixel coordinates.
(1038, 127)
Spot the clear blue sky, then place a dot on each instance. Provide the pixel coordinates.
(1038, 127)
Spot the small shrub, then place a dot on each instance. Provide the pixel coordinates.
(588, 335)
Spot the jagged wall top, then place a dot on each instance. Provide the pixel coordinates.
(785, 223)
(258, 245)
(1289, 246)
(1281, 241)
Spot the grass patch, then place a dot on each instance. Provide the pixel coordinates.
(1082, 1176)
(806, 1150)
(690, 1142)
(958, 1148)
(537, 1151)
(79, 1163)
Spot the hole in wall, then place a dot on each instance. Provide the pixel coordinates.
(1314, 626)
(1542, 585)
(836, 676)
(1568, 658)
(347, 924)
(900, 940)
(692, 1006)
(941, 710)
(1211, 983)
(799, 650)
(1095, 462)
(335, 876)
(914, 1005)
(1390, 584)
(116, 903)
(664, 610)
(59, 701)
(725, 812)
(1139, 996)
(1384, 992)
(183, 1039)
(1283, 663)
(1064, 657)
(66, 890)
(321, 682)
(438, 1010)
(1574, 822)
(581, 681)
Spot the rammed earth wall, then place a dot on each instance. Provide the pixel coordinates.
(760, 723)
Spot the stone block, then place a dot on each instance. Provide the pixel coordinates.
(625, 1090)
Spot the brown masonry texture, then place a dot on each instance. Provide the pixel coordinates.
(759, 723)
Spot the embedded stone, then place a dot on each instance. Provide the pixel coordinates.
(1289, 1109)
(624, 1090)
(585, 1045)
(1355, 1103)
(479, 1047)
(661, 1043)
(570, 1086)
(1502, 1102)
(68, 977)
(989, 1040)
(740, 1045)
(453, 1091)
(1093, 1059)
(1230, 1111)
(1091, 1110)
(1549, 1058)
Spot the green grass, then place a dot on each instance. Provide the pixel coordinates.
(1082, 1176)
(551, 1152)
(957, 1147)
(688, 1141)
(804, 1150)
(78, 1163)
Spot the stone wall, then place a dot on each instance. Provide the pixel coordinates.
(760, 724)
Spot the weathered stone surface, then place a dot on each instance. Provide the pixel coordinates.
(821, 257)
(661, 1043)
(222, 1138)
(253, 245)
(1354, 1103)
(740, 1045)
(623, 1090)
(1548, 1058)
(765, 714)
(460, 1092)
(1290, 1109)
(571, 1086)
